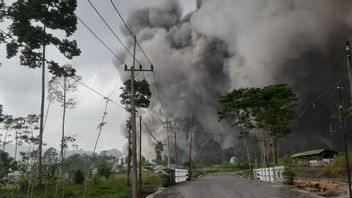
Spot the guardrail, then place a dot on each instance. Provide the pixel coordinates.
(271, 174)
(181, 175)
(177, 175)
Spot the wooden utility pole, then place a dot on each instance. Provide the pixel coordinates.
(175, 148)
(133, 119)
(342, 117)
(191, 138)
(167, 123)
(348, 60)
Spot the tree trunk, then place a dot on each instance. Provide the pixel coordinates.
(41, 122)
(274, 150)
(129, 159)
(16, 139)
(4, 143)
(265, 152)
(63, 132)
(245, 138)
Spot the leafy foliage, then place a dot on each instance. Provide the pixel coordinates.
(60, 86)
(269, 109)
(104, 170)
(142, 94)
(158, 150)
(78, 176)
(29, 36)
(7, 166)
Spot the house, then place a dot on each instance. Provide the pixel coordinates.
(317, 157)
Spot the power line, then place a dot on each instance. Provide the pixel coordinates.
(98, 93)
(99, 39)
(132, 34)
(112, 31)
(146, 126)
(130, 31)
(79, 81)
(325, 91)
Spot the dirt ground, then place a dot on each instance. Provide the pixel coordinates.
(322, 187)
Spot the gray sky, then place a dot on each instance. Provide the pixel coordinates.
(20, 86)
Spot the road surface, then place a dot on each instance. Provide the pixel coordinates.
(228, 185)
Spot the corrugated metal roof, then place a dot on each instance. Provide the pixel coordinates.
(309, 153)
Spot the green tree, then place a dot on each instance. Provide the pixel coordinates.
(104, 170)
(269, 109)
(158, 151)
(142, 94)
(7, 126)
(7, 166)
(59, 87)
(27, 37)
(78, 176)
(142, 100)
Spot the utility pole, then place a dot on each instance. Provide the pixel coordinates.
(348, 60)
(191, 139)
(168, 141)
(342, 117)
(140, 156)
(133, 117)
(331, 136)
(175, 149)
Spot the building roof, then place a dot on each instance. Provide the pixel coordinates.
(312, 152)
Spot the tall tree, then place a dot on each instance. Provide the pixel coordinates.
(142, 100)
(275, 115)
(7, 126)
(269, 109)
(7, 165)
(59, 87)
(158, 150)
(29, 39)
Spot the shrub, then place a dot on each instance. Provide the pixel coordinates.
(78, 176)
(104, 170)
(337, 166)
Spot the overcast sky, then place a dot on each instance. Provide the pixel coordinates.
(20, 86)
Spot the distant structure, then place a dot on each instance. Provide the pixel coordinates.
(317, 157)
(233, 160)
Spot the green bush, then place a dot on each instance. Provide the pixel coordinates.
(78, 176)
(337, 166)
(289, 172)
(104, 170)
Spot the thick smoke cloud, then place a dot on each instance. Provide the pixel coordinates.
(238, 43)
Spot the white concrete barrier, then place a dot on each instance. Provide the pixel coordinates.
(181, 175)
(271, 174)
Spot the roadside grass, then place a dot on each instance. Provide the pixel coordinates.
(114, 187)
(225, 167)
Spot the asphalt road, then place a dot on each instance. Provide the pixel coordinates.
(227, 185)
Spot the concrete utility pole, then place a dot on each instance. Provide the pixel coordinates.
(168, 141)
(140, 156)
(342, 117)
(133, 121)
(191, 139)
(348, 60)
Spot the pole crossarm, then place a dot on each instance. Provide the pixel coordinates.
(140, 69)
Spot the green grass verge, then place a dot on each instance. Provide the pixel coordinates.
(115, 187)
